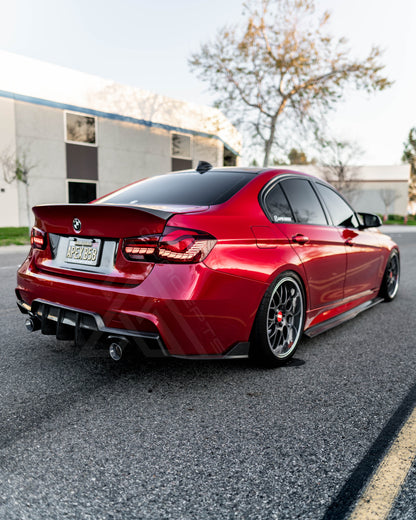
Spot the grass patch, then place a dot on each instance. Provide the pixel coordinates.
(18, 236)
(399, 220)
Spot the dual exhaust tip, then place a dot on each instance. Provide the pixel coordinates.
(117, 344)
(32, 324)
(117, 347)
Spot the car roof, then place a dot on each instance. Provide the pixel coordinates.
(225, 169)
(249, 169)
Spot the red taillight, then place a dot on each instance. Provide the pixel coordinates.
(38, 238)
(185, 245)
(176, 245)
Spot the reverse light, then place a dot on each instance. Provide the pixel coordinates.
(176, 245)
(38, 238)
(140, 247)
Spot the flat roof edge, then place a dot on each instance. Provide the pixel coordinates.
(111, 115)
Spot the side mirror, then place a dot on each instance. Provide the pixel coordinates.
(369, 220)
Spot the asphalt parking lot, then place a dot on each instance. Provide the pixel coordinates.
(83, 437)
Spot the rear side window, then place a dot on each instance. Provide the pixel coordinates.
(185, 188)
(304, 202)
(342, 215)
(278, 206)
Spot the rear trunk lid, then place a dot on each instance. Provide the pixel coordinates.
(85, 240)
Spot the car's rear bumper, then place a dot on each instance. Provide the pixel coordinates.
(180, 310)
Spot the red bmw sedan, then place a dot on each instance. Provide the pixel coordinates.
(212, 262)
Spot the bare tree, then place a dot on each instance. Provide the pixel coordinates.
(280, 68)
(337, 165)
(409, 156)
(16, 168)
(388, 196)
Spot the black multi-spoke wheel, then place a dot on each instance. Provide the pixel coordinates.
(391, 278)
(279, 321)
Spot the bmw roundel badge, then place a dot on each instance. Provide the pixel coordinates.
(76, 224)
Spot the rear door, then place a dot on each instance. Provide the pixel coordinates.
(295, 208)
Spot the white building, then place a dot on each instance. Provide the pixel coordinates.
(87, 136)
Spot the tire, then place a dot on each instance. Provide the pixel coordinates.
(391, 278)
(279, 322)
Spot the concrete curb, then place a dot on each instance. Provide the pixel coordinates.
(397, 229)
(4, 250)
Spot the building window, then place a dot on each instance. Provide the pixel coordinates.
(230, 158)
(81, 192)
(181, 164)
(181, 152)
(80, 129)
(181, 146)
(81, 162)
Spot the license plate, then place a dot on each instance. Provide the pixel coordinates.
(83, 251)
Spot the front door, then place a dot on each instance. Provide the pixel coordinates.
(363, 247)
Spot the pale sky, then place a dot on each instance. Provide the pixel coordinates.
(147, 44)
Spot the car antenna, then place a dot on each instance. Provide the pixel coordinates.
(203, 166)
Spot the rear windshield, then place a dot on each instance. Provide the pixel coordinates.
(185, 188)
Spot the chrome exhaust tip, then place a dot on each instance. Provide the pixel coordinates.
(32, 324)
(117, 347)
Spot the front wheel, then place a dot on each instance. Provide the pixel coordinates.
(279, 321)
(391, 278)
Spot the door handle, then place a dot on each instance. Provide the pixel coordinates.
(349, 242)
(300, 239)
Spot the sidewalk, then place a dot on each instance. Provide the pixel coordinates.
(397, 229)
(4, 250)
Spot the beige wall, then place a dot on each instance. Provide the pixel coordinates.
(369, 197)
(210, 150)
(40, 135)
(128, 152)
(9, 213)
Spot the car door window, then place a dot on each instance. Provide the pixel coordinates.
(278, 206)
(341, 213)
(304, 202)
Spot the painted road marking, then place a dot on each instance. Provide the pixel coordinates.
(380, 494)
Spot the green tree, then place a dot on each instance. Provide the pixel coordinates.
(409, 156)
(280, 68)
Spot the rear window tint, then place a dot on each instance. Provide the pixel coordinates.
(304, 202)
(277, 205)
(185, 188)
